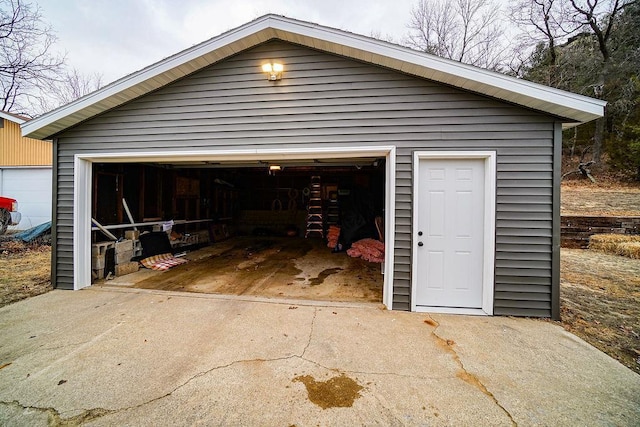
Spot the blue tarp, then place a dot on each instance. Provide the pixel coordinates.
(33, 233)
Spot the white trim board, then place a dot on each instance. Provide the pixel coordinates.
(83, 179)
(488, 274)
(11, 118)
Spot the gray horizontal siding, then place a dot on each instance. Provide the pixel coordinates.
(325, 100)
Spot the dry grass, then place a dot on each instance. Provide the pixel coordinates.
(616, 244)
(600, 302)
(629, 249)
(580, 198)
(25, 271)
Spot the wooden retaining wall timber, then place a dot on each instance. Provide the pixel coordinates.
(576, 230)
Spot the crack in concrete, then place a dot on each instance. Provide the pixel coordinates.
(391, 374)
(313, 324)
(55, 419)
(465, 375)
(79, 344)
(79, 348)
(228, 365)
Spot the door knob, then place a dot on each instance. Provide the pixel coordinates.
(420, 244)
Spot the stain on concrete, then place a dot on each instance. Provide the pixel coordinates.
(89, 415)
(430, 322)
(323, 275)
(274, 267)
(54, 419)
(336, 392)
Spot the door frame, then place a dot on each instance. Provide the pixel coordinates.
(83, 179)
(488, 274)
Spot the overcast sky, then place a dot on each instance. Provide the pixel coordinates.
(117, 37)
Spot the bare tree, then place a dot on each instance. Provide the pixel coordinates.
(376, 34)
(468, 31)
(70, 86)
(27, 63)
(542, 21)
(599, 18)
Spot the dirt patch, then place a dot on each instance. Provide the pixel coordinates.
(336, 392)
(25, 271)
(600, 302)
(612, 200)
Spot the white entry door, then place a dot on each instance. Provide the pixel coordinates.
(449, 231)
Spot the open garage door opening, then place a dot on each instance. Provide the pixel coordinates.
(308, 229)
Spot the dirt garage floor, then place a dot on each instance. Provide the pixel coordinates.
(268, 267)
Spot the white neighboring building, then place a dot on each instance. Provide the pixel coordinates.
(25, 172)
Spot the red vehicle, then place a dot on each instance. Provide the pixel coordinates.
(9, 214)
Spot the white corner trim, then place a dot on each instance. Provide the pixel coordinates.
(83, 179)
(389, 229)
(488, 273)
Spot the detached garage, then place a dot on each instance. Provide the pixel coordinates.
(456, 169)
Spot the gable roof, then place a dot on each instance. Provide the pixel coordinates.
(572, 108)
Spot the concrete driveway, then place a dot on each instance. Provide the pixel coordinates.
(134, 357)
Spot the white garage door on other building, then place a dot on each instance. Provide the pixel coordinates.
(31, 187)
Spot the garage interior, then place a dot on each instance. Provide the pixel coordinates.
(275, 229)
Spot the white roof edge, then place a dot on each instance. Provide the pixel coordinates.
(451, 67)
(576, 108)
(11, 118)
(146, 73)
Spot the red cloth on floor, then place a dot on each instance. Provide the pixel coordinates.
(162, 262)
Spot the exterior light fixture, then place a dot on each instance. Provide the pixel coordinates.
(274, 168)
(273, 70)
